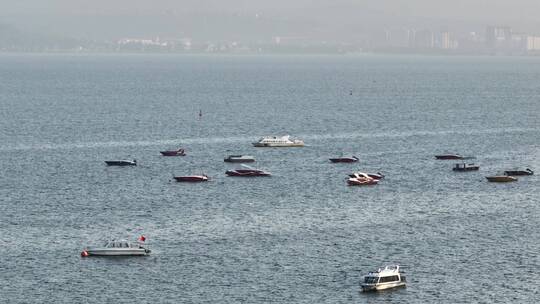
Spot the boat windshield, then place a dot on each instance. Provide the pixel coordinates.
(371, 280)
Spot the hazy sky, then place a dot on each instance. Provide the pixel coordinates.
(232, 19)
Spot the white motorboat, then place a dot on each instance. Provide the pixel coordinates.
(384, 278)
(361, 179)
(117, 248)
(239, 159)
(377, 175)
(278, 141)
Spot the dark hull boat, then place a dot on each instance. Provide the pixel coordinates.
(191, 178)
(449, 156)
(121, 162)
(352, 159)
(179, 152)
(247, 172)
(519, 172)
(466, 167)
(501, 179)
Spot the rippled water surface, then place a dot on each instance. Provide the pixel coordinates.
(300, 236)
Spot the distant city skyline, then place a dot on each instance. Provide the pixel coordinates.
(238, 19)
(264, 26)
(493, 40)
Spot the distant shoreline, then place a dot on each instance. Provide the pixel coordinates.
(255, 54)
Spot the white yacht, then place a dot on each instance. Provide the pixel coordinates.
(383, 278)
(276, 141)
(117, 248)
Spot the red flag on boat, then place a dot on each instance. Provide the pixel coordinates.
(142, 238)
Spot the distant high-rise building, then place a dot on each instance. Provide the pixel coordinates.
(423, 39)
(446, 43)
(498, 36)
(398, 38)
(533, 43)
(395, 38)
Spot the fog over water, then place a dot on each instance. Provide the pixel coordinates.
(237, 19)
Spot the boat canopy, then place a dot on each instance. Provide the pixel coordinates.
(120, 244)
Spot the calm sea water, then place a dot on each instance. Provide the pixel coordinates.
(300, 236)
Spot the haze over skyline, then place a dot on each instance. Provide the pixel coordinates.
(342, 20)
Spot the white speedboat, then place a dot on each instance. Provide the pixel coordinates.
(239, 159)
(117, 248)
(278, 141)
(384, 278)
(361, 179)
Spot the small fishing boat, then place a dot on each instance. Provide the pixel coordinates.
(121, 162)
(179, 152)
(527, 171)
(361, 179)
(239, 159)
(377, 175)
(452, 156)
(465, 167)
(278, 141)
(351, 159)
(118, 248)
(384, 278)
(501, 179)
(247, 171)
(192, 178)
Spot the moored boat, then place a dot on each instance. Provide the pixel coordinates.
(465, 167)
(351, 159)
(239, 159)
(117, 248)
(501, 179)
(278, 141)
(122, 162)
(247, 171)
(527, 171)
(377, 175)
(384, 278)
(361, 179)
(452, 156)
(192, 178)
(179, 152)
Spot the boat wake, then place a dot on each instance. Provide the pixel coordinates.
(392, 134)
(248, 139)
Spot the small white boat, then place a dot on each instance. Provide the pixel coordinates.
(276, 141)
(384, 278)
(361, 179)
(239, 159)
(377, 175)
(117, 248)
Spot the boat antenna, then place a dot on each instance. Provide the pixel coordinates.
(199, 137)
